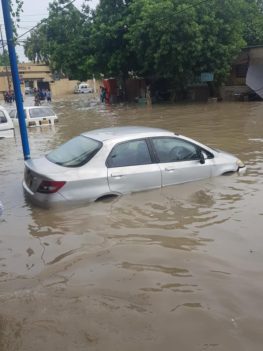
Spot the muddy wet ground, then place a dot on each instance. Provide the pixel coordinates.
(173, 269)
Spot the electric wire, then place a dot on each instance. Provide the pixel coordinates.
(41, 22)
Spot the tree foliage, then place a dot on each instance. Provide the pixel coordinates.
(16, 7)
(110, 52)
(62, 39)
(175, 39)
(4, 58)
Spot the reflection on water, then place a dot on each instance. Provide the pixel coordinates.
(192, 250)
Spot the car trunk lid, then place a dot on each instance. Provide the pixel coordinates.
(39, 170)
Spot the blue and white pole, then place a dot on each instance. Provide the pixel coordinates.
(15, 76)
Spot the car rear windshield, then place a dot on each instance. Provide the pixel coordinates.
(41, 112)
(75, 153)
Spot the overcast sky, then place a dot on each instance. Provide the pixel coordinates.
(34, 11)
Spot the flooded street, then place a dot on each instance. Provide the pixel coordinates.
(175, 268)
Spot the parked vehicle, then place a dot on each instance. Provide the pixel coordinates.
(36, 116)
(28, 90)
(115, 161)
(6, 124)
(83, 88)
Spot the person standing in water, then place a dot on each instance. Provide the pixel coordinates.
(48, 96)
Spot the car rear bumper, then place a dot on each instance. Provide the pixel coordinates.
(43, 200)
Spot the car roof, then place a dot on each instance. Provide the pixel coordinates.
(125, 132)
(31, 107)
(37, 107)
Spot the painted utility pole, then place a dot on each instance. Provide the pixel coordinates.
(15, 76)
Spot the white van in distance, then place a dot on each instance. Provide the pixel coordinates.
(83, 88)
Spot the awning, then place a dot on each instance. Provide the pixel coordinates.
(254, 78)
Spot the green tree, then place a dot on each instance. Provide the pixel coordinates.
(16, 7)
(252, 13)
(61, 40)
(35, 47)
(110, 53)
(176, 40)
(173, 39)
(4, 58)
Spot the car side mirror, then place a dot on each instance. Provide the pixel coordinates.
(202, 158)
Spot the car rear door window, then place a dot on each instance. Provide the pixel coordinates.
(75, 153)
(174, 150)
(41, 112)
(130, 153)
(3, 118)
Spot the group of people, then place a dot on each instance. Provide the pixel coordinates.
(9, 97)
(42, 95)
(39, 95)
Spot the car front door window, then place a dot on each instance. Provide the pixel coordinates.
(179, 160)
(174, 150)
(130, 168)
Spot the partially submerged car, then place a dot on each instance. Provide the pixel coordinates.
(6, 124)
(36, 116)
(115, 161)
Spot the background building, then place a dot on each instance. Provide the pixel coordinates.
(37, 76)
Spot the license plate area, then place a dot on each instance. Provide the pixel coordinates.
(30, 179)
(44, 121)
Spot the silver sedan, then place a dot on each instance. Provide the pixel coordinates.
(114, 161)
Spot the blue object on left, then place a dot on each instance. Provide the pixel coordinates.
(15, 76)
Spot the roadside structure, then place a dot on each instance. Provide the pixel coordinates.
(39, 76)
(245, 82)
(246, 77)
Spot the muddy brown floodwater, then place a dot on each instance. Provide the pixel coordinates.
(173, 269)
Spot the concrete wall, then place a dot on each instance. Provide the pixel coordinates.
(4, 84)
(62, 87)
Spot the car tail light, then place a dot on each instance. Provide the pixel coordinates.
(50, 186)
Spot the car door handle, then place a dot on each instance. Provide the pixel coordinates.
(170, 169)
(117, 175)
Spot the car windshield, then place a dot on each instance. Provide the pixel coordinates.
(75, 153)
(41, 112)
